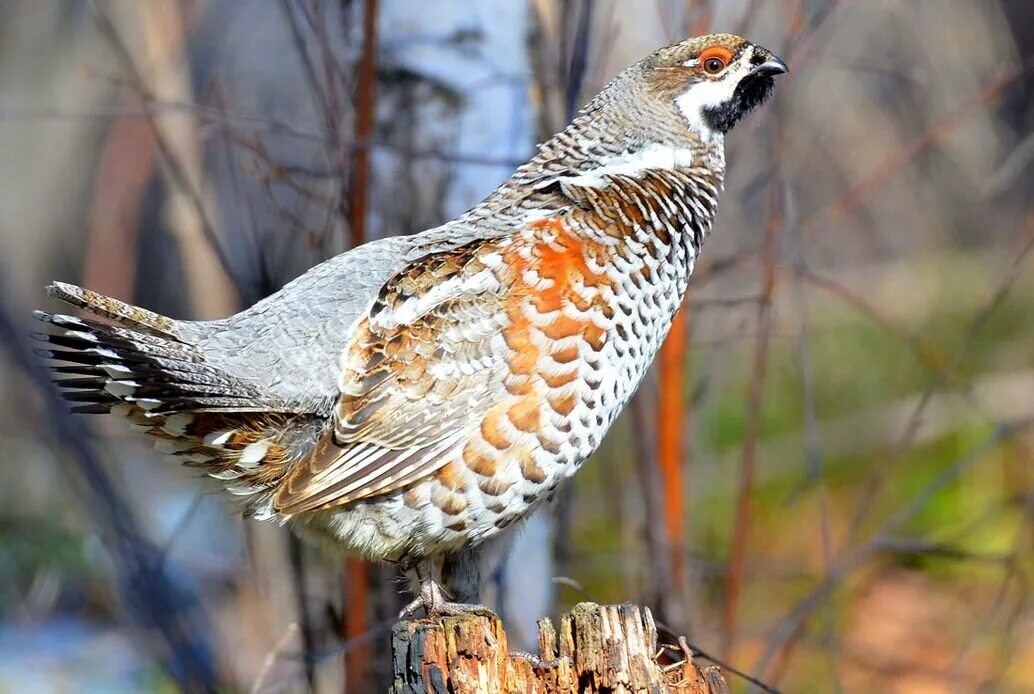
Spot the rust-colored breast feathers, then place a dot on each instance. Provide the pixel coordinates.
(462, 357)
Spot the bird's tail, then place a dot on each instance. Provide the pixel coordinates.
(149, 369)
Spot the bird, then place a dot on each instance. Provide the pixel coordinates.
(415, 398)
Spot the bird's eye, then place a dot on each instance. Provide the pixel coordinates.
(713, 66)
(715, 59)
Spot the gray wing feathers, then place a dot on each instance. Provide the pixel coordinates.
(285, 350)
(291, 342)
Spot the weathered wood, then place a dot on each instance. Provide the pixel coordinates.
(598, 648)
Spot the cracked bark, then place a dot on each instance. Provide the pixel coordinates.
(597, 648)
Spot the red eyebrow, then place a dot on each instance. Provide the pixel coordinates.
(720, 52)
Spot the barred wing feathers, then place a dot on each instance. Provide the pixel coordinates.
(418, 375)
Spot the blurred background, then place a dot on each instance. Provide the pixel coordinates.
(827, 478)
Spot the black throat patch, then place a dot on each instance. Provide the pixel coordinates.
(751, 92)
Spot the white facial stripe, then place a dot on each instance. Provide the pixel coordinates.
(653, 156)
(711, 93)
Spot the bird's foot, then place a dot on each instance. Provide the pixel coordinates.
(435, 604)
(410, 611)
(458, 609)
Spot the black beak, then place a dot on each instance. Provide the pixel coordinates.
(772, 66)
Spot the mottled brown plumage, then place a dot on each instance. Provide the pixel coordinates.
(413, 398)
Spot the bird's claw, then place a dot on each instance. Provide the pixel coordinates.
(433, 601)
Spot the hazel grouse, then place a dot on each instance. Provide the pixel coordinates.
(412, 400)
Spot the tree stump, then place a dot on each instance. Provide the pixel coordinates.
(599, 648)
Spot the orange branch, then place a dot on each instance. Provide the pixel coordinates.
(357, 622)
(356, 606)
(359, 184)
(669, 439)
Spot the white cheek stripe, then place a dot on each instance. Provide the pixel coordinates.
(707, 94)
(710, 93)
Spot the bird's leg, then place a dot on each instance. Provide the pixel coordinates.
(434, 600)
(423, 570)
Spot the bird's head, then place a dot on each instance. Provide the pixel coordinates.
(704, 84)
(715, 80)
(669, 109)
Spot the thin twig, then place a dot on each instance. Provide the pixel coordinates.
(978, 322)
(272, 656)
(789, 626)
(752, 428)
(298, 578)
(883, 172)
(258, 124)
(156, 602)
(176, 169)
